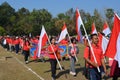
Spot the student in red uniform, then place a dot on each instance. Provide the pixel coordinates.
(94, 74)
(12, 44)
(64, 42)
(26, 48)
(16, 42)
(53, 60)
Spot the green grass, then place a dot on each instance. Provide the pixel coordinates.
(11, 69)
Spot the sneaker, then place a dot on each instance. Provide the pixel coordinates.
(26, 62)
(53, 78)
(72, 73)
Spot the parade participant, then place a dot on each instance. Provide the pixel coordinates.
(53, 48)
(16, 42)
(88, 56)
(26, 48)
(73, 50)
(12, 44)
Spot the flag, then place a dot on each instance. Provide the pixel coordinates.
(42, 41)
(106, 29)
(113, 50)
(88, 40)
(103, 41)
(78, 26)
(63, 33)
(94, 31)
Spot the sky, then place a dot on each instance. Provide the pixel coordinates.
(61, 6)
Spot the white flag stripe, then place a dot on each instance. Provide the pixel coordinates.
(106, 31)
(104, 43)
(79, 23)
(43, 32)
(63, 34)
(95, 31)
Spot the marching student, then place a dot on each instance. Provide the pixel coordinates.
(53, 61)
(72, 51)
(26, 48)
(16, 42)
(94, 74)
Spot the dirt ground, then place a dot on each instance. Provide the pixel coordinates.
(13, 67)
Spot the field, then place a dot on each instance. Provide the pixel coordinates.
(12, 67)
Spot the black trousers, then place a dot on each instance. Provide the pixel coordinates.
(17, 48)
(26, 55)
(53, 63)
(115, 78)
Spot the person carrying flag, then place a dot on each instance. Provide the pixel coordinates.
(93, 72)
(72, 51)
(53, 48)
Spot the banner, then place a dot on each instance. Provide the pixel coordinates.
(63, 50)
(32, 51)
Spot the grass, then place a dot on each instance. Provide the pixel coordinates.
(11, 69)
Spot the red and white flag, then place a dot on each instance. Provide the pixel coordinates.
(81, 23)
(94, 31)
(42, 41)
(113, 49)
(63, 33)
(78, 26)
(106, 29)
(103, 41)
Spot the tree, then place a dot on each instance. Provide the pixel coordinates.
(2, 31)
(39, 18)
(22, 26)
(6, 15)
(109, 16)
(70, 13)
(97, 19)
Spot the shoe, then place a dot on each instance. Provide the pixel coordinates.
(72, 73)
(26, 62)
(53, 78)
(75, 75)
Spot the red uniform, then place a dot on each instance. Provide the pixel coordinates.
(55, 48)
(26, 46)
(97, 52)
(64, 42)
(16, 41)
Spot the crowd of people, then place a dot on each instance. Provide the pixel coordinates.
(23, 44)
(19, 45)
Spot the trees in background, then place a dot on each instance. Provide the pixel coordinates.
(7, 16)
(23, 22)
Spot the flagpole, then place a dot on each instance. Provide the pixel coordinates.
(55, 54)
(73, 47)
(117, 15)
(90, 47)
(88, 39)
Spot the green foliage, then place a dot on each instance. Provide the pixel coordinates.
(23, 22)
(6, 12)
(97, 19)
(2, 31)
(109, 16)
